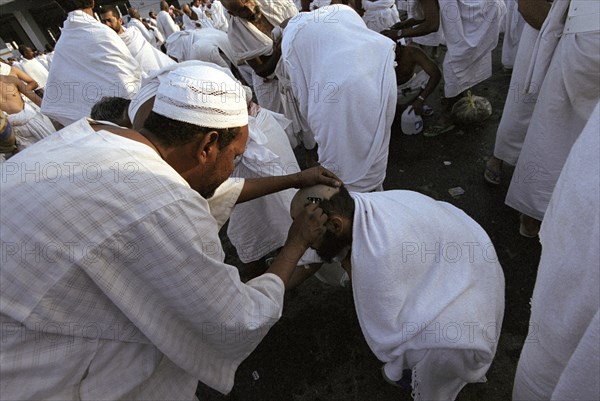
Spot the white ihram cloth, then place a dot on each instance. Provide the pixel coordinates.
(249, 43)
(201, 44)
(380, 14)
(148, 57)
(560, 359)
(4, 69)
(166, 25)
(260, 226)
(78, 79)
(471, 30)
(133, 283)
(349, 110)
(428, 290)
(415, 10)
(566, 100)
(217, 15)
(519, 104)
(30, 125)
(35, 70)
(136, 23)
(514, 25)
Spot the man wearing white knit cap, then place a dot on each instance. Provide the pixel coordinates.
(134, 300)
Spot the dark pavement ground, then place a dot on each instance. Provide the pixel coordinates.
(317, 351)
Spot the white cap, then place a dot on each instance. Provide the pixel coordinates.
(410, 122)
(202, 95)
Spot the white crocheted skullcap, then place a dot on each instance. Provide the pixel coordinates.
(202, 95)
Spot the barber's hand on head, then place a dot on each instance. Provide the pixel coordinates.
(308, 226)
(317, 175)
(392, 34)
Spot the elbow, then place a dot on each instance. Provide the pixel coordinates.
(431, 26)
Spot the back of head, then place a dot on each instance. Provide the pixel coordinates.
(113, 109)
(133, 13)
(331, 200)
(72, 5)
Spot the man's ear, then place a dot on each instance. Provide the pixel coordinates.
(207, 147)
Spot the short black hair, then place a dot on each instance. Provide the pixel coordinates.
(340, 203)
(172, 133)
(109, 108)
(110, 8)
(72, 5)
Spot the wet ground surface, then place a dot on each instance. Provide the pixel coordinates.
(317, 351)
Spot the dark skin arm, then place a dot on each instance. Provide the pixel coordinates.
(431, 68)
(412, 27)
(257, 187)
(534, 12)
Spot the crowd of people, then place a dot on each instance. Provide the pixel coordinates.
(121, 164)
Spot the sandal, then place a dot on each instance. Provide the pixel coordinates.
(528, 227)
(437, 130)
(492, 175)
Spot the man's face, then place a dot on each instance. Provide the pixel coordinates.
(245, 9)
(210, 176)
(28, 53)
(153, 15)
(113, 22)
(197, 3)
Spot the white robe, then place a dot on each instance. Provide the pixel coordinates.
(148, 57)
(166, 25)
(560, 359)
(566, 100)
(349, 110)
(260, 226)
(471, 30)
(202, 44)
(136, 23)
(519, 104)
(218, 16)
(428, 290)
(380, 14)
(128, 296)
(249, 43)
(78, 79)
(514, 25)
(35, 70)
(29, 126)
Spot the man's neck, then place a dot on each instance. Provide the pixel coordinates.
(89, 11)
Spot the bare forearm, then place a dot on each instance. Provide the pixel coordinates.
(257, 187)
(286, 261)
(534, 12)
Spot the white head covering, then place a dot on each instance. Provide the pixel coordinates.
(202, 95)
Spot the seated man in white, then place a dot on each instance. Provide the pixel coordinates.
(428, 288)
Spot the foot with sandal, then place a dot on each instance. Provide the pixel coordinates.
(493, 171)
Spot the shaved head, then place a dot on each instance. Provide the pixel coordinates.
(309, 195)
(338, 205)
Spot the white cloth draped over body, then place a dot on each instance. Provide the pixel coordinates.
(202, 44)
(217, 16)
(136, 23)
(30, 125)
(249, 43)
(428, 290)
(349, 110)
(415, 10)
(261, 226)
(78, 79)
(512, 33)
(155, 310)
(35, 70)
(471, 30)
(202, 18)
(166, 25)
(519, 104)
(148, 57)
(380, 14)
(560, 359)
(568, 95)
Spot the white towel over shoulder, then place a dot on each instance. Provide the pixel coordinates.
(428, 290)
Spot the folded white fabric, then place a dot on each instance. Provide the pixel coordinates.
(428, 290)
